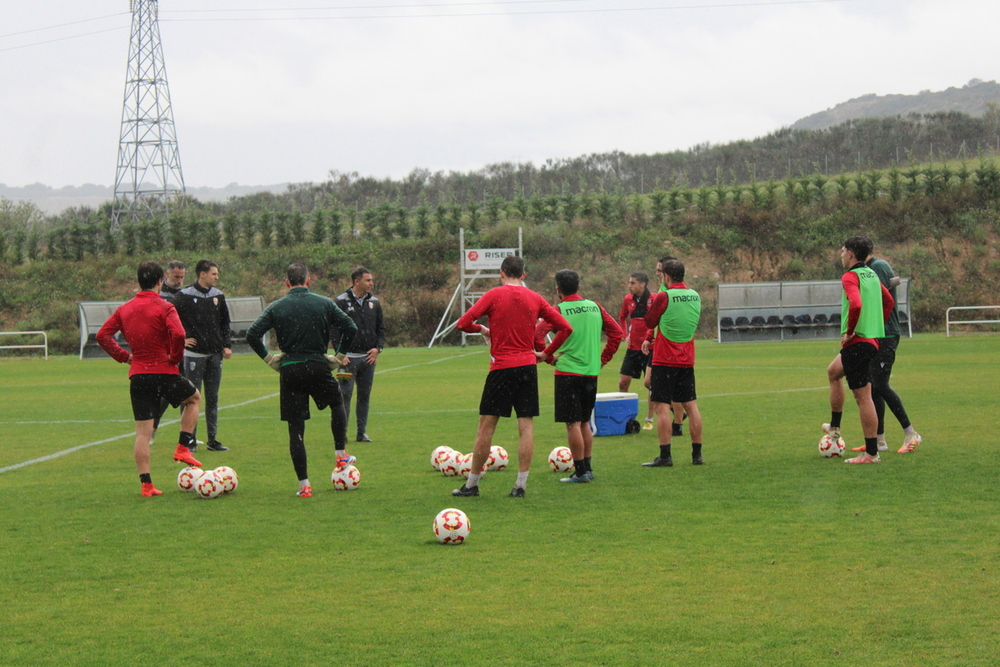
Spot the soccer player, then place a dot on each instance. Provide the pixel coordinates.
(865, 306)
(366, 311)
(156, 340)
(512, 383)
(673, 316)
(578, 364)
(205, 316)
(302, 320)
(882, 393)
(631, 320)
(676, 410)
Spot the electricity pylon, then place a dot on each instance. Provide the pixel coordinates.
(149, 164)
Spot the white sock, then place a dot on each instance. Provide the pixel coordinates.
(341, 452)
(522, 479)
(649, 419)
(473, 480)
(303, 483)
(909, 430)
(881, 437)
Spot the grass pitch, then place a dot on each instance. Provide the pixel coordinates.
(768, 554)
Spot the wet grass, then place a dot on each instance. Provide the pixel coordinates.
(768, 554)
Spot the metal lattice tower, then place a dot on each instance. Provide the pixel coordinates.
(149, 164)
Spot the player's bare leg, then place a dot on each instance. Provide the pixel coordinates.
(143, 434)
(694, 423)
(189, 420)
(525, 443)
(835, 373)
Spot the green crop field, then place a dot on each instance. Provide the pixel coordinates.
(767, 555)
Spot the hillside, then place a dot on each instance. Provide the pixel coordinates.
(972, 99)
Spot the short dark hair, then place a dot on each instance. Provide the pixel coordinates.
(204, 265)
(149, 274)
(673, 269)
(568, 281)
(512, 266)
(666, 258)
(358, 273)
(297, 274)
(861, 246)
(176, 264)
(640, 277)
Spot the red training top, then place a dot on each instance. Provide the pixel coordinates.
(153, 331)
(512, 311)
(851, 284)
(666, 352)
(631, 319)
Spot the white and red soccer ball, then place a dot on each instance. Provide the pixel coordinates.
(498, 459)
(209, 485)
(561, 459)
(188, 477)
(228, 477)
(830, 446)
(449, 466)
(451, 526)
(346, 478)
(439, 455)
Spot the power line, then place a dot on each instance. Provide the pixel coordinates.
(63, 25)
(762, 3)
(62, 39)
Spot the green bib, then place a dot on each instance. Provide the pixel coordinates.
(870, 323)
(680, 320)
(581, 353)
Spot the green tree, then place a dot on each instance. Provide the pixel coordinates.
(297, 228)
(334, 230)
(402, 221)
(494, 207)
(423, 219)
(264, 229)
(319, 227)
(282, 236)
(473, 216)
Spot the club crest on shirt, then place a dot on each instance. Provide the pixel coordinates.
(215, 300)
(371, 304)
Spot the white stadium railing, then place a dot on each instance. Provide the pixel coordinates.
(948, 321)
(44, 345)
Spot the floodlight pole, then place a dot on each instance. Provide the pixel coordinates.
(149, 165)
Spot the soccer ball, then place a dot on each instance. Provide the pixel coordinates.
(229, 479)
(188, 477)
(346, 478)
(830, 447)
(209, 485)
(439, 455)
(561, 459)
(498, 459)
(450, 464)
(451, 526)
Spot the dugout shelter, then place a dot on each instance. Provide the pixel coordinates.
(790, 310)
(243, 310)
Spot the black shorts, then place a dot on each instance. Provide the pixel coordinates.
(148, 389)
(575, 397)
(884, 359)
(857, 360)
(634, 364)
(672, 384)
(508, 388)
(299, 382)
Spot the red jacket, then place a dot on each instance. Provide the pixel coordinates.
(631, 319)
(513, 311)
(154, 333)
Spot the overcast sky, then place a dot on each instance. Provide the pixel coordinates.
(266, 91)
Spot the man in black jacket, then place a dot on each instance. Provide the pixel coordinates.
(205, 316)
(366, 311)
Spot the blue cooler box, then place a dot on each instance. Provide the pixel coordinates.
(612, 411)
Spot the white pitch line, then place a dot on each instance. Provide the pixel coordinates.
(49, 457)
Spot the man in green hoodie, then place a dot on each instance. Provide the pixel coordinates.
(302, 322)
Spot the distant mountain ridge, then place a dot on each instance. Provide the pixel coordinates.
(54, 200)
(972, 99)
